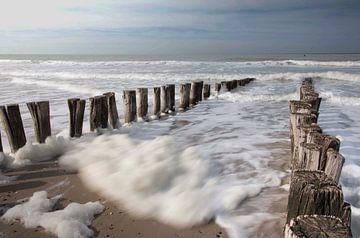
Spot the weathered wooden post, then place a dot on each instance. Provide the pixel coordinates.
(184, 98)
(142, 103)
(200, 90)
(206, 91)
(334, 164)
(13, 126)
(164, 99)
(171, 95)
(76, 109)
(112, 109)
(309, 157)
(193, 94)
(224, 86)
(129, 99)
(312, 192)
(217, 87)
(317, 226)
(40, 113)
(98, 112)
(156, 102)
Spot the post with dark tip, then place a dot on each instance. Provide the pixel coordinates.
(156, 101)
(142, 103)
(129, 100)
(200, 90)
(12, 123)
(98, 112)
(183, 99)
(40, 113)
(112, 110)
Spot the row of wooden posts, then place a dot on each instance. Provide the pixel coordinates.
(103, 110)
(316, 206)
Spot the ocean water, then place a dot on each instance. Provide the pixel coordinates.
(214, 161)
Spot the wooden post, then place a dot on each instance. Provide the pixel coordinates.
(164, 99)
(317, 226)
(193, 94)
(334, 164)
(171, 95)
(13, 126)
(76, 109)
(200, 90)
(98, 112)
(312, 192)
(309, 157)
(217, 87)
(142, 103)
(187, 94)
(112, 110)
(40, 113)
(129, 99)
(346, 218)
(183, 99)
(206, 91)
(156, 101)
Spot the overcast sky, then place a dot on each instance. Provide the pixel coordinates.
(179, 27)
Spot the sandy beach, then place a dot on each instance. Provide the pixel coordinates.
(113, 222)
(116, 222)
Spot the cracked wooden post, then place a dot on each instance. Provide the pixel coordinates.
(112, 110)
(206, 91)
(171, 95)
(129, 100)
(142, 103)
(156, 102)
(76, 116)
(40, 113)
(309, 157)
(98, 112)
(334, 164)
(12, 123)
(164, 99)
(313, 192)
(317, 226)
(193, 94)
(217, 87)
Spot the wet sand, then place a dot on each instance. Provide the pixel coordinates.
(113, 222)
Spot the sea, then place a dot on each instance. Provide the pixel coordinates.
(225, 160)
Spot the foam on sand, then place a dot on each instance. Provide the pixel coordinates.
(155, 179)
(71, 222)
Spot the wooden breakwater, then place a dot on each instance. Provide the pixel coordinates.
(103, 110)
(316, 206)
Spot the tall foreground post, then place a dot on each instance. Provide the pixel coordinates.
(129, 100)
(12, 123)
(40, 113)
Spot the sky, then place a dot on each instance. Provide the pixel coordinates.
(179, 27)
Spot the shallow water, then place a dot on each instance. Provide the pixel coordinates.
(236, 134)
